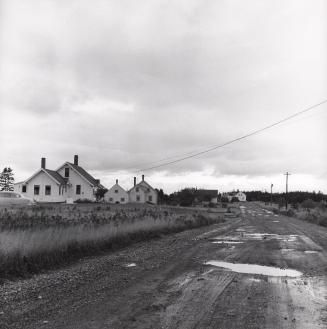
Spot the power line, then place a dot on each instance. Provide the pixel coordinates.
(255, 132)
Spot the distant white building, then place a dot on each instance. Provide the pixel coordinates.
(66, 184)
(143, 192)
(116, 194)
(241, 196)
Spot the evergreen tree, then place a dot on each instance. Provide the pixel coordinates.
(7, 179)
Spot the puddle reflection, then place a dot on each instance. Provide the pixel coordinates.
(255, 269)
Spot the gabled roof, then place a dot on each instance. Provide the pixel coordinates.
(116, 186)
(140, 185)
(56, 176)
(85, 174)
(52, 174)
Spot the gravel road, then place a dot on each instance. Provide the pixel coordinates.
(176, 282)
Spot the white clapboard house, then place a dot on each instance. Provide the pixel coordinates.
(143, 192)
(116, 194)
(68, 183)
(241, 196)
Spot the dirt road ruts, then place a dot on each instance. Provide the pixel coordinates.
(172, 287)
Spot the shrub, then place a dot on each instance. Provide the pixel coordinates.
(308, 204)
(84, 201)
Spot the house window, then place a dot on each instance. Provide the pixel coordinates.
(138, 198)
(36, 189)
(78, 189)
(116, 191)
(137, 189)
(122, 199)
(111, 199)
(148, 189)
(67, 172)
(24, 188)
(47, 189)
(150, 198)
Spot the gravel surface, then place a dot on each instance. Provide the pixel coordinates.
(169, 285)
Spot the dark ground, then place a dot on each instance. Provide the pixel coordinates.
(170, 287)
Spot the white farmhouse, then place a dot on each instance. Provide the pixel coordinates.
(143, 192)
(116, 194)
(66, 184)
(241, 196)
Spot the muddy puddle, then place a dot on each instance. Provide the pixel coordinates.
(227, 242)
(270, 236)
(243, 236)
(255, 269)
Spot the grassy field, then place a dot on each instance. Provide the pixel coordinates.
(42, 237)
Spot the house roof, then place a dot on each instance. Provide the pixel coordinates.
(51, 173)
(113, 187)
(141, 186)
(85, 174)
(56, 176)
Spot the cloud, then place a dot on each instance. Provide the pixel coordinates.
(125, 84)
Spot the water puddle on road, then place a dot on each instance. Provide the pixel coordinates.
(311, 252)
(227, 242)
(255, 269)
(243, 236)
(271, 236)
(130, 265)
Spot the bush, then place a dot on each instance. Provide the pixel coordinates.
(84, 201)
(308, 204)
(322, 221)
(289, 213)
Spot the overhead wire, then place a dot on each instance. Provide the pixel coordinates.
(255, 132)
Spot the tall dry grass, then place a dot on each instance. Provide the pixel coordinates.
(25, 250)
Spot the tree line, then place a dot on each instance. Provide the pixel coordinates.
(293, 198)
(187, 196)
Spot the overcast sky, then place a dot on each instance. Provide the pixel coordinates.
(127, 83)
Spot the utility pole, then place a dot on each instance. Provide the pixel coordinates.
(286, 197)
(271, 186)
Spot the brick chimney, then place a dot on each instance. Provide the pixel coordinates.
(142, 177)
(117, 181)
(43, 163)
(76, 160)
(134, 181)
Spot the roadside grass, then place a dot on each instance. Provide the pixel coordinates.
(32, 240)
(317, 215)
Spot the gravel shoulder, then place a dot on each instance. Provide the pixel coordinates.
(171, 287)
